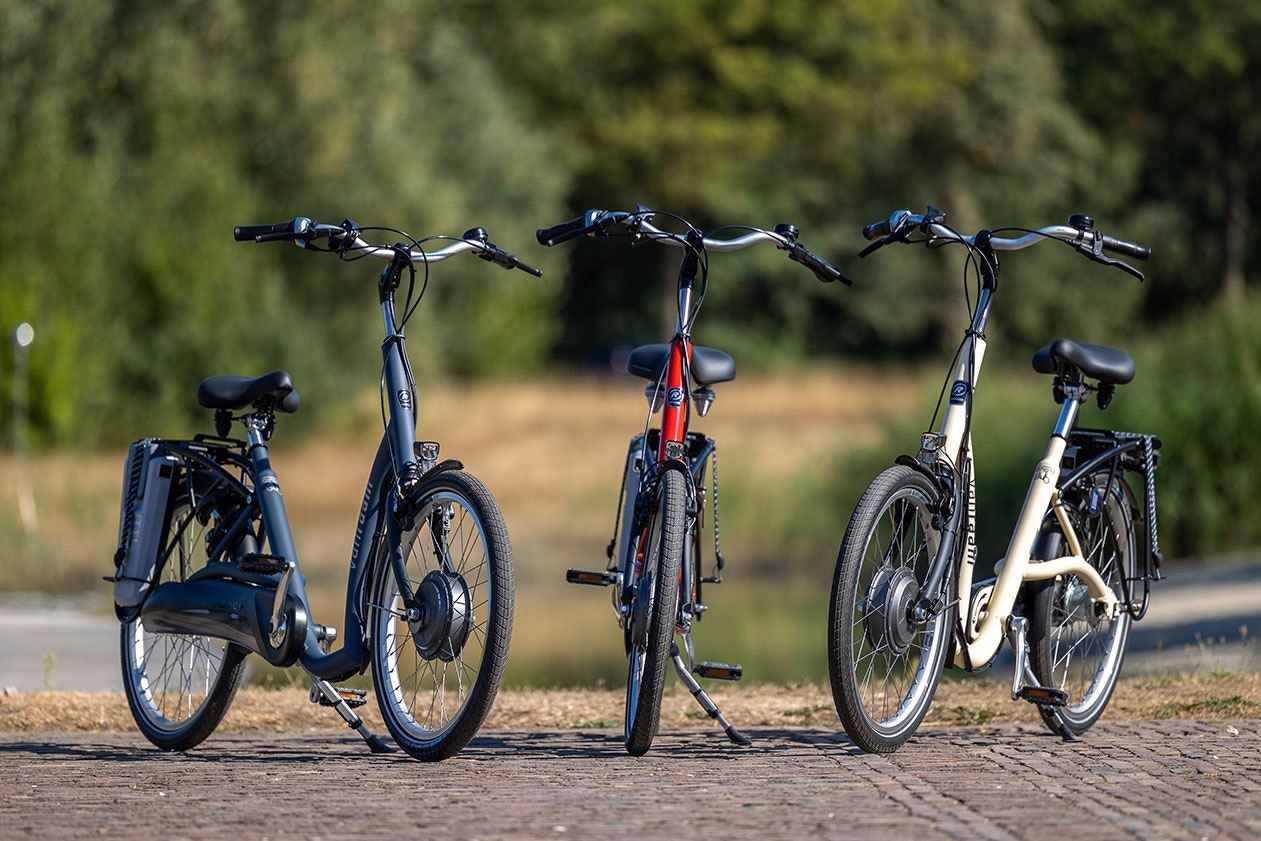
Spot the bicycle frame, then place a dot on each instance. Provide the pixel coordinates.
(984, 637)
(236, 600)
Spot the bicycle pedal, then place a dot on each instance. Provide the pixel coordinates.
(711, 579)
(594, 577)
(1044, 696)
(352, 697)
(719, 671)
(257, 562)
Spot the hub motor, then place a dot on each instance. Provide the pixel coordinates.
(887, 609)
(445, 616)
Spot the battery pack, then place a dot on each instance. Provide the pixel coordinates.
(147, 476)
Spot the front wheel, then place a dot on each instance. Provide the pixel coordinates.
(1071, 647)
(437, 662)
(654, 611)
(884, 665)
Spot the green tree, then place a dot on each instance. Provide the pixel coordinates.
(1177, 86)
(127, 165)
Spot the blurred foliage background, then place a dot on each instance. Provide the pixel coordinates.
(134, 134)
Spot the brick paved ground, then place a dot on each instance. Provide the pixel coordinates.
(1165, 779)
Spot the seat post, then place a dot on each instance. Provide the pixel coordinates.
(267, 488)
(1071, 395)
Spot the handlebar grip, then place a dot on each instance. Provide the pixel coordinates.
(528, 269)
(241, 233)
(823, 270)
(876, 230)
(563, 232)
(1123, 246)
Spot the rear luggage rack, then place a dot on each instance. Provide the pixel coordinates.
(1134, 452)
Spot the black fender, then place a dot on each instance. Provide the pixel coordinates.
(682, 467)
(440, 467)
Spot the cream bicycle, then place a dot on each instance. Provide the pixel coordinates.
(1080, 562)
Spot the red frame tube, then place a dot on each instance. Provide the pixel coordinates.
(674, 414)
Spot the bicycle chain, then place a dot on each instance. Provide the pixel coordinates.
(718, 559)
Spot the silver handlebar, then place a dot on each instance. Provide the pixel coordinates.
(935, 231)
(712, 244)
(303, 225)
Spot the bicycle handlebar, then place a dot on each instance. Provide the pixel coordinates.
(345, 238)
(597, 222)
(1079, 232)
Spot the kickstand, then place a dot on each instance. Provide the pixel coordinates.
(1066, 732)
(1025, 683)
(702, 698)
(322, 687)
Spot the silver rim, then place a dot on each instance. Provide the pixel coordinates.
(429, 691)
(171, 676)
(1085, 649)
(637, 659)
(890, 673)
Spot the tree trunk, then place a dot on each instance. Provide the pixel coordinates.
(1235, 218)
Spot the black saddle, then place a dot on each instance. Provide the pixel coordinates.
(232, 392)
(709, 366)
(1108, 365)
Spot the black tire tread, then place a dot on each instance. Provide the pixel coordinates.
(1038, 596)
(200, 726)
(498, 630)
(848, 566)
(664, 614)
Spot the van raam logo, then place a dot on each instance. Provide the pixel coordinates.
(270, 484)
(674, 397)
(405, 398)
(959, 393)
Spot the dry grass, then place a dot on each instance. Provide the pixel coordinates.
(552, 450)
(958, 703)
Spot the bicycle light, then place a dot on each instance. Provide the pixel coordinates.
(929, 447)
(703, 397)
(656, 396)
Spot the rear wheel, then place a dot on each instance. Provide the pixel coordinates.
(178, 686)
(437, 664)
(884, 665)
(654, 611)
(1070, 646)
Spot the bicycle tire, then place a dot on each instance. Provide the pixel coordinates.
(643, 695)
(852, 625)
(213, 663)
(394, 645)
(1052, 605)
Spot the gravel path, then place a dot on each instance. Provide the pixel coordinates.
(1155, 779)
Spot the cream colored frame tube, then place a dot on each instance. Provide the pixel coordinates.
(1018, 566)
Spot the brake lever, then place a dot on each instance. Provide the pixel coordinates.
(342, 242)
(1095, 252)
(878, 244)
(607, 219)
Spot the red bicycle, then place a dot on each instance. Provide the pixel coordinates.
(654, 566)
